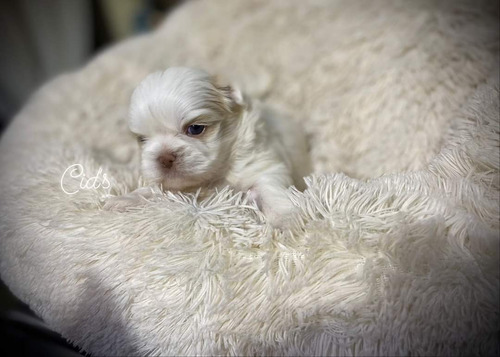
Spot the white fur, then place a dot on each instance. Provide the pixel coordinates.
(245, 144)
(397, 250)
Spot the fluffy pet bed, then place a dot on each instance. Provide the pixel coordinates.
(397, 250)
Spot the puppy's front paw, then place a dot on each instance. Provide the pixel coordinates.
(119, 203)
(276, 206)
(122, 203)
(282, 216)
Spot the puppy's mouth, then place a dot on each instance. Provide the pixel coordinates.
(176, 181)
(166, 171)
(174, 176)
(174, 171)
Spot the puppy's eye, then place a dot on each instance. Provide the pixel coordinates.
(141, 139)
(195, 129)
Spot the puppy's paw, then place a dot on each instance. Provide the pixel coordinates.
(122, 203)
(279, 211)
(282, 216)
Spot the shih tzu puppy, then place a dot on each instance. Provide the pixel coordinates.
(196, 133)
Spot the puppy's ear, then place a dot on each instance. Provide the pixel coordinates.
(232, 96)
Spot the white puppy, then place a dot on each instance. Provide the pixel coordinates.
(195, 133)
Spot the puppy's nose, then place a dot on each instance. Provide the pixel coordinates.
(166, 160)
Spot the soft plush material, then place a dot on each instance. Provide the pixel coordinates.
(397, 248)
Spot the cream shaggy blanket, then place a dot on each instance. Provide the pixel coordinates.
(397, 251)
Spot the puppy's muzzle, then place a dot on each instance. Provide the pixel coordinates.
(166, 160)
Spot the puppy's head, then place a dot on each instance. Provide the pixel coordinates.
(186, 125)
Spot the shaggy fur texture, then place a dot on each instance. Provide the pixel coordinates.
(403, 263)
(241, 143)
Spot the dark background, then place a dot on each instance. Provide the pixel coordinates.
(40, 39)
